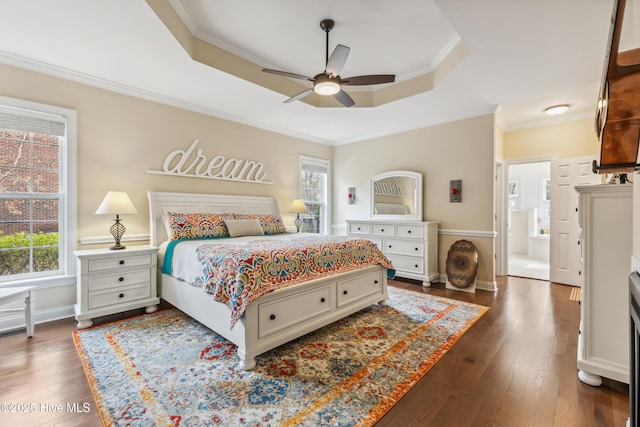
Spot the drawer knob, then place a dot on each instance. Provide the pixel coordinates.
(345, 292)
(121, 296)
(121, 262)
(389, 246)
(417, 249)
(120, 279)
(375, 281)
(382, 230)
(408, 231)
(322, 299)
(272, 317)
(416, 266)
(358, 228)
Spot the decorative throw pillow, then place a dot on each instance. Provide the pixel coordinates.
(197, 225)
(244, 227)
(271, 223)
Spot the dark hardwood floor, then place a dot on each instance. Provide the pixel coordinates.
(515, 367)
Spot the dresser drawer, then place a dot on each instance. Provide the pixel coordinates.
(279, 314)
(410, 231)
(117, 296)
(102, 264)
(383, 230)
(359, 228)
(118, 279)
(404, 247)
(408, 264)
(354, 289)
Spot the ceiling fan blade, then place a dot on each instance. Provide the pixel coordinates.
(299, 96)
(372, 79)
(287, 74)
(344, 98)
(337, 60)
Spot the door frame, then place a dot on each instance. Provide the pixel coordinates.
(502, 248)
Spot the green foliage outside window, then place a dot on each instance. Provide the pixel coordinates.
(15, 253)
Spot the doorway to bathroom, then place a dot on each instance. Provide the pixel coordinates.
(529, 219)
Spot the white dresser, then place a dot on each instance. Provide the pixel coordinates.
(112, 281)
(605, 217)
(412, 246)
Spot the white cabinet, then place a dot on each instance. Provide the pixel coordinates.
(411, 246)
(112, 281)
(605, 218)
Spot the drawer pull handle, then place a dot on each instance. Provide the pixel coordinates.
(120, 279)
(345, 292)
(272, 317)
(121, 262)
(121, 296)
(322, 299)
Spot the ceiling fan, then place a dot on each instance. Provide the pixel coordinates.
(329, 82)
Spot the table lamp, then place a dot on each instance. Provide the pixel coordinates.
(298, 207)
(117, 203)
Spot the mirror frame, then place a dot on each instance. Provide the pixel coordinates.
(417, 215)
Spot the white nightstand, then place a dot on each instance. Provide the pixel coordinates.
(112, 281)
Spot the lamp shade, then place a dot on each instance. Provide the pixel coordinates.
(116, 202)
(297, 206)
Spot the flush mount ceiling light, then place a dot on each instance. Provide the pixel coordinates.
(555, 110)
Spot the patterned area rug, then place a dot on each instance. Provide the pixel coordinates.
(166, 369)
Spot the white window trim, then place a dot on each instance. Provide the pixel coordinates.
(69, 183)
(326, 220)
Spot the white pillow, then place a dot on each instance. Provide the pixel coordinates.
(244, 227)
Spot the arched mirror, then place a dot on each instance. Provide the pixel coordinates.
(397, 195)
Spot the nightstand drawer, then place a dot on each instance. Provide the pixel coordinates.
(110, 281)
(102, 299)
(111, 263)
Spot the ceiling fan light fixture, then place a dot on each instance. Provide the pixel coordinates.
(326, 86)
(556, 110)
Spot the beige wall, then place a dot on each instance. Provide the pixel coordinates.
(121, 137)
(564, 140)
(458, 150)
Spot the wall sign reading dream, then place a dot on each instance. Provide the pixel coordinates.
(193, 163)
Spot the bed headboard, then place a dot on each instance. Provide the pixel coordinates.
(160, 203)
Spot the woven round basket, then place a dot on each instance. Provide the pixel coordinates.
(462, 264)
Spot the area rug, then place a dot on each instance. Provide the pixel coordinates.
(166, 369)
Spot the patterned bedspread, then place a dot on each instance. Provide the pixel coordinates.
(238, 274)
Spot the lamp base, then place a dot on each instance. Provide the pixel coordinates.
(117, 230)
(298, 223)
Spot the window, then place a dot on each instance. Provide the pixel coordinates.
(314, 191)
(37, 192)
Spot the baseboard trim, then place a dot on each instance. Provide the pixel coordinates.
(483, 285)
(11, 323)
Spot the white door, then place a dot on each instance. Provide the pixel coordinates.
(565, 232)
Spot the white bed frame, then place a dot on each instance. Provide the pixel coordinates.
(277, 317)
